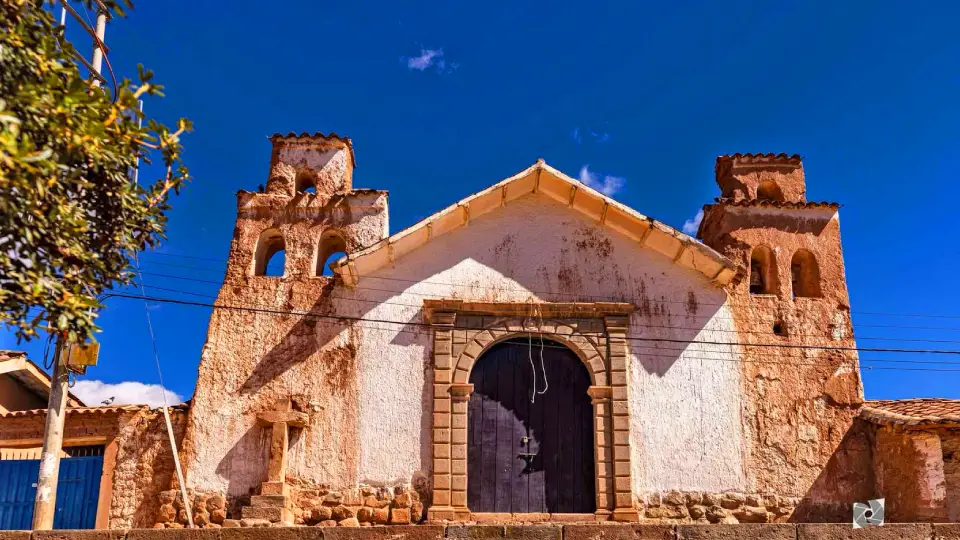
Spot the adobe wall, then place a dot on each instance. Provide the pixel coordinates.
(252, 360)
(138, 462)
(144, 467)
(917, 471)
(368, 385)
(800, 402)
(537, 250)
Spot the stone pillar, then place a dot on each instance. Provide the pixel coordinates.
(603, 450)
(616, 327)
(277, 466)
(279, 421)
(274, 504)
(441, 508)
(460, 396)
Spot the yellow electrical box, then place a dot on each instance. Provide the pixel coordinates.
(82, 355)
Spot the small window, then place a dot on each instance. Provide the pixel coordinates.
(805, 275)
(270, 256)
(332, 247)
(763, 271)
(768, 190)
(306, 182)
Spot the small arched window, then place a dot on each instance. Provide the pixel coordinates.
(763, 271)
(805, 275)
(269, 259)
(306, 182)
(768, 190)
(332, 246)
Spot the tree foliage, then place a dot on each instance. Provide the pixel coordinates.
(70, 216)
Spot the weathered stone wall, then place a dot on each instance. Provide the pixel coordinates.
(570, 531)
(367, 385)
(268, 351)
(144, 467)
(137, 457)
(745, 420)
(799, 402)
(950, 444)
(917, 472)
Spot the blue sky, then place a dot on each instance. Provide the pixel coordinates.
(443, 99)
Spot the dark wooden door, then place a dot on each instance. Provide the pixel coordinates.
(526, 452)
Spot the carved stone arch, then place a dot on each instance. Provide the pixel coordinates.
(595, 332)
(479, 341)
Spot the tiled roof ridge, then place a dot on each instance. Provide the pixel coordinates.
(315, 135)
(776, 204)
(913, 411)
(332, 136)
(102, 409)
(768, 157)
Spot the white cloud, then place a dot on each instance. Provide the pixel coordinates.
(428, 58)
(690, 226)
(604, 183)
(93, 393)
(577, 136)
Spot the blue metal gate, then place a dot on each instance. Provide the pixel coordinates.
(77, 494)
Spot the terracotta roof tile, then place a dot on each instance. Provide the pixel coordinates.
(911, 412)
(766, 203)
(761, 158)
(318, 135)
(102, 410)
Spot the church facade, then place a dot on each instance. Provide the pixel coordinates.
(535, 348)
(536, 352)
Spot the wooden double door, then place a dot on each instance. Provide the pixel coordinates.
(530, 430)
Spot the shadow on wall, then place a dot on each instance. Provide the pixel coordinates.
(847, 478)
(252, 450)
(298, 344)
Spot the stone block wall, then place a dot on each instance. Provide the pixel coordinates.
(724, 508)
(911, 531)
(312, 505)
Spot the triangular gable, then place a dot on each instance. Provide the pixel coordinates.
(542, 178)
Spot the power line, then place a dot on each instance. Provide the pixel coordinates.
(628, 338)
(530, 291)
(657, 348)
(643, 355)
(386, 302)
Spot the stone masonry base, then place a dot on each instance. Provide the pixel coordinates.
(833, 531)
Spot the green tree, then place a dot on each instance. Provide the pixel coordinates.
(70, 217)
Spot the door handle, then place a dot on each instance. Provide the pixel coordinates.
(527, 455)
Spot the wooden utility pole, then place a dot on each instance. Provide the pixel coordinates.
(45, 504)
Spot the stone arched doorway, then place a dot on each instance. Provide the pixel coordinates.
(530, 430)
(595, 333)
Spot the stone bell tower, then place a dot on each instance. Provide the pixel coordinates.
(274, 368)
(800, 399)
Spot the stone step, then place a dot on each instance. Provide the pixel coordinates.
(274, 488)
(270, 501)
(272, 514)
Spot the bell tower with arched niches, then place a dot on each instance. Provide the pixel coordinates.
(799, 370)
